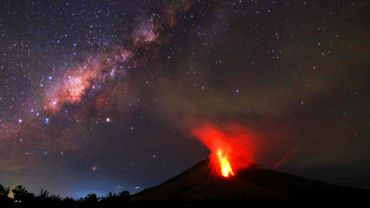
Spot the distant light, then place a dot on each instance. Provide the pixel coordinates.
(50, 78)
(93, 168)
(20, 120)
(46, 121)
(108, 120)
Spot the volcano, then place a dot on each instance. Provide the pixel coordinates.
(199, 186)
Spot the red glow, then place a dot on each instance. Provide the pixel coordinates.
(230, 145)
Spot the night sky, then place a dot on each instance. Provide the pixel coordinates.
(100, 96)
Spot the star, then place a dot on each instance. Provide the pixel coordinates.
(46, 121)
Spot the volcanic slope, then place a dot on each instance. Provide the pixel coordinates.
(200, 184)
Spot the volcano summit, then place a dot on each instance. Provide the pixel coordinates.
(200, 186)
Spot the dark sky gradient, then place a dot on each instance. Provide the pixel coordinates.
(99, 96)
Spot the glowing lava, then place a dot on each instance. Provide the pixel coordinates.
(225, 166)
(230, 145)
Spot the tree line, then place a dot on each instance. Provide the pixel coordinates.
(19, 197)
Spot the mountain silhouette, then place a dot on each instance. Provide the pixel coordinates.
(251, 186)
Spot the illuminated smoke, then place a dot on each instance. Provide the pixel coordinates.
(231, 146)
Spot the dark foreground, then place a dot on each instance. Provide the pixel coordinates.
(198, 187)
(349, 199)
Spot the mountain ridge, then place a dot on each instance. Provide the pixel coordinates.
(199, 183)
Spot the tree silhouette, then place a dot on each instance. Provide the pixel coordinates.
(22, 198)
(21, 195)
(4, 191)
(43, 194)
(4, 196)
(91, 198)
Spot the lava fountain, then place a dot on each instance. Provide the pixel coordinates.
(225, 166)
(230, 146)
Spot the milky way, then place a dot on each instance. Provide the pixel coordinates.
(105, 96)
(84, 84)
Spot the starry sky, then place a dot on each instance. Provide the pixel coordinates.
(100, 96)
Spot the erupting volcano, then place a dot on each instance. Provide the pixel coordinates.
(229, 178)
(230, 145)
